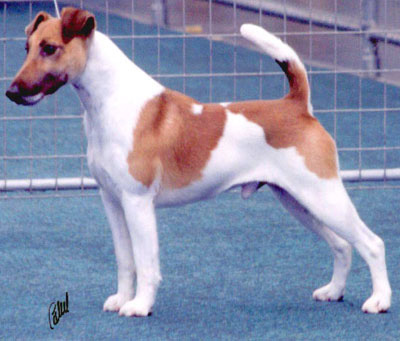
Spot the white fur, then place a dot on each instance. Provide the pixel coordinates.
(271, 44)
(197, 109)
(113, 91)
(274, 47)
(111, 114)
(109, 88)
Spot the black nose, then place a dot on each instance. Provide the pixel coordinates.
(13, 93)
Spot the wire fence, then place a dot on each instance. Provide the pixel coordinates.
(350, 49)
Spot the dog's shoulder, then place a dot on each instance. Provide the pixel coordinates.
(174, 138)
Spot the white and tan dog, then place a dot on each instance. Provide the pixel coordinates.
(149, 146)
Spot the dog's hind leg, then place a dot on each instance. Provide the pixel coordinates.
(328, 202)
(341, 249)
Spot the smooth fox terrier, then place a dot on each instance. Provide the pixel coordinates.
(149, 146)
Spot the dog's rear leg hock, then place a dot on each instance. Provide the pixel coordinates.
(329, 202)
(342, 250)
(140, 217)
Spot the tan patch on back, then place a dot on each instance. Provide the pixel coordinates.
(172, 143)
(287, 123)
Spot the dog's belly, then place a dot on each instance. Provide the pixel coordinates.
(200, 190)
(242, 156)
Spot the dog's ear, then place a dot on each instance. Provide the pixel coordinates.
(40, 17)
(76, 23)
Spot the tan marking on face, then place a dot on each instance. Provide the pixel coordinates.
(44, 72)
(68, 60)
(172, 143)
(287, 123)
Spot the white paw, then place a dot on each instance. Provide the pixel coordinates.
(135, 307)
(377, 303)
(115, 302)
(328, 293)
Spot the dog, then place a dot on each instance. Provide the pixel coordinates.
(149, 146)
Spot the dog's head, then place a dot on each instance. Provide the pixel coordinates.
(56, 53)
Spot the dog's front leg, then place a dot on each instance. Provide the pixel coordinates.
(123, 252)
(140, 217)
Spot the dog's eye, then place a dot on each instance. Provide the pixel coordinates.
(48, 50)
(27, 48)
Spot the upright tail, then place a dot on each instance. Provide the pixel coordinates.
(285, 56)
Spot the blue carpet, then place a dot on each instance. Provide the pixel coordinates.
(232, 269)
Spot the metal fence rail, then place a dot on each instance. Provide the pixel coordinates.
(334, 38)
(89, 183)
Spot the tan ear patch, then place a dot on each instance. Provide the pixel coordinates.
(76, 23)
(173, 144)
(32, 27)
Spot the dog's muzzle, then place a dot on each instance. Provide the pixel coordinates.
(20, 93)
(15, 94)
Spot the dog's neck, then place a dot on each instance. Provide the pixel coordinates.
(107, 75)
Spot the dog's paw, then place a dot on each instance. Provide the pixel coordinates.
(135, 307)
(328, 293)
(377, 303)
(115, 302)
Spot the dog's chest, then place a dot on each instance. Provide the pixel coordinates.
(99, 163)
(108, 147)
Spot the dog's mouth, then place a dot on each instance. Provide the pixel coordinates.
(24, 100)
(23, 96)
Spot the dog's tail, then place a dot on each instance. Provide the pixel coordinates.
(285, 56)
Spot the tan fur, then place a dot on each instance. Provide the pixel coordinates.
(47, 73)
(173, 143)
(40, 17)
(287, 123)
(170, 142)
(298, 83)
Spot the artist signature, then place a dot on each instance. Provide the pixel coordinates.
(56, 310)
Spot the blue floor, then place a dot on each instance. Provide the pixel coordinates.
(232, 269)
